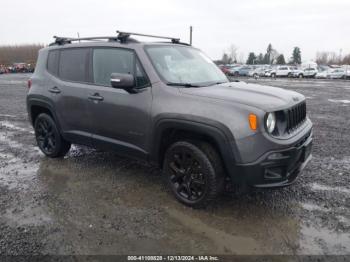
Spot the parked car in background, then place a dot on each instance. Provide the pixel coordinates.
(224, 69)
(285, 71)
(268, 72)
(322, 74)
(336, 73)
(260, 71)
(244, 70)
(234, 70)
(307, 72)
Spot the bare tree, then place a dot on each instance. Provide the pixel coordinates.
(19, 53)
(232, 53)
(331, 58)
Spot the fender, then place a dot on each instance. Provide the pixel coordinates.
(42, 101)
(214, 129)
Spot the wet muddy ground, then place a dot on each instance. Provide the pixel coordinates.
(94, 202)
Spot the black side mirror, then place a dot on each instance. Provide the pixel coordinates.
(122, 81)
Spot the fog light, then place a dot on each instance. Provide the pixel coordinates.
(275, 156)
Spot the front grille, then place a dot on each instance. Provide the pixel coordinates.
(295, 116)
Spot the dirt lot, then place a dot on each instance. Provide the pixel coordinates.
(94, 202)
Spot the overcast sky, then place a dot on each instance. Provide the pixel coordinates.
(313, 25)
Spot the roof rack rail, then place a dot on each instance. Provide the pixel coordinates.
(123, 36)
(68, 40)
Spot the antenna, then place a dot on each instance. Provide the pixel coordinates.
(191, 30)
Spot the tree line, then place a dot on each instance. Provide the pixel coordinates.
(270, 57)
(331, 58)
(19, 53)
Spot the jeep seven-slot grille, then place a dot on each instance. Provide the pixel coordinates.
(295, 116)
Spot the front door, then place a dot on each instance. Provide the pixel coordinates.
(120, 120)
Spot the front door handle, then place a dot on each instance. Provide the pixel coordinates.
(96, 97)
(55, 90)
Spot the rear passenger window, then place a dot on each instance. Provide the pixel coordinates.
(52, 62)
(114, 60)
(73, 64)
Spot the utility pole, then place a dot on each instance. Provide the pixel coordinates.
(191, 29)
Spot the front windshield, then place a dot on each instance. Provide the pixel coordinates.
(184, 65)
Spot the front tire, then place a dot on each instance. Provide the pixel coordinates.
(194, 173)
(48, 138)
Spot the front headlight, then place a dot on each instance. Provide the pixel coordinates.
(270, 122)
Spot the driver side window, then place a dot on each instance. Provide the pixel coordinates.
(106, 61)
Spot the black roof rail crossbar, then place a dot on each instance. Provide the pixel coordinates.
(67, 40)
(123, 36)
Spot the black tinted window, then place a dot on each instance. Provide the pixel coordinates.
(111, 60)
(52, 62)
(73, 63)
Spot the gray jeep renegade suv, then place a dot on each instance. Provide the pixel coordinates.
(169, 104)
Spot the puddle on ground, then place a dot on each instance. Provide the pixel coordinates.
(314, 207)
(339, 101)
(316, 241)
(319, 187)
(11, 126)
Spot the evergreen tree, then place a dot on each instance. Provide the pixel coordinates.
(269, 52)
(280, 60)
(266, 59)
(260, 59)
(296, 56)
(251, 58)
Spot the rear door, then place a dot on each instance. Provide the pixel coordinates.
(70, 94)
(120, 119)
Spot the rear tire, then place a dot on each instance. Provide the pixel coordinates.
(301, 76)
(48, 138)
(194, 173)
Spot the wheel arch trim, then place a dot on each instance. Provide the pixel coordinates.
(41, 102)
(222, 136)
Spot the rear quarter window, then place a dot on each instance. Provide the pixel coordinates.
(73, 65)
(52, 62)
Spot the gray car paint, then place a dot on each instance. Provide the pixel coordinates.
(130, 122)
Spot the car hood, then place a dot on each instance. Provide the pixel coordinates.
(266, 98)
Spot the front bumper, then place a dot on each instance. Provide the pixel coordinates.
(277, 168)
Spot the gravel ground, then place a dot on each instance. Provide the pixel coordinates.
(94, 202)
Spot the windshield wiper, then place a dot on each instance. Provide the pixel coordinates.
(183, 84)
(216, 83)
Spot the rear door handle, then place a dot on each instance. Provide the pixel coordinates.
(55, 90)
(96, 97)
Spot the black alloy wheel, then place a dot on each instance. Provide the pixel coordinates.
(48, 138)
(45, 136)
(193, 174)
